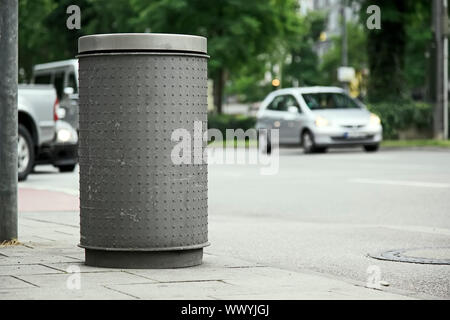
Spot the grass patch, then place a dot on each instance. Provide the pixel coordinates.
(384, 143)
(8, 243)
(236, 143)
(416, 143)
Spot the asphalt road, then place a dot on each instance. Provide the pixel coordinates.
(325, 213)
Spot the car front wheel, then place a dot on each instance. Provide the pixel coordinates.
(372, 147)
(308, 142)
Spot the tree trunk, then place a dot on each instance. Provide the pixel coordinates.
(386, 48)
(219, 83)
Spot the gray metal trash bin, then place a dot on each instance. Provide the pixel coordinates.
(137, 208)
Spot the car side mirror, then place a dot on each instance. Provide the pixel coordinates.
(68, 91)
(292, 109)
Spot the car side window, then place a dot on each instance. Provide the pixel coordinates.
(290, 101)
(277, 104)
(343, 101)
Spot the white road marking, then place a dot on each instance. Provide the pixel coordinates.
(404, 183)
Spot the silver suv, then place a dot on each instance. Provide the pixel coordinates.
(318, 118)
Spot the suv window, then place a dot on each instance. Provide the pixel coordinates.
(72, 82)
(43, 79)
(59, 83)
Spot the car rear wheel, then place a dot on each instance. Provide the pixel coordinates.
(371, 147)
(264, 144)
(66, 168)
(25, 153)
(321, 149)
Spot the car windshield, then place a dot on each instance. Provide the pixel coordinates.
(329, 100)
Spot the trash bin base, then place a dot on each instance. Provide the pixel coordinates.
(143, 259)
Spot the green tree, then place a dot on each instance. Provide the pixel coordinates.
(357, 56)
(242, 35)
(237, 31)
(43, 35)
(303, 65)
(386, 49)
(35, 43)
(417, 50)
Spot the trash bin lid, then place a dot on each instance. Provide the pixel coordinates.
(141, 42)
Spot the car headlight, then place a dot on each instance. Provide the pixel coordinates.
(374, 119)
(322, 122)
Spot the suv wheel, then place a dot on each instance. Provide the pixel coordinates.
(25, 152)
(66, 168)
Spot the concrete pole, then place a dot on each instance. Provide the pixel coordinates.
(8, 119)
(344, 53)
(445, 67)
(344, 47)
(440, 116)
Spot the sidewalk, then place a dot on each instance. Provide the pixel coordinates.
(43, 265)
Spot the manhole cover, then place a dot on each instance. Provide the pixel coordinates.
(416, 255)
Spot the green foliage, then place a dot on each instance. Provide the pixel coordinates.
(386, 51)
(357, 55)
(419, 35)
(248, 87)
(227, 121)
(294, 52)
(246, 38)
(416, 143)
(35, 42)
(237, 31)
(303, 66)
(401, 115)
(398, 52)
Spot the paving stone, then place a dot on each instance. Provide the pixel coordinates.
(87, 280)
(199, 273)
(16, 251)
(98, 293)
(9, 282)
(83, 268)
(39, 270)
(203, 290)
(36, 259)
(210, 259)
(27, 269)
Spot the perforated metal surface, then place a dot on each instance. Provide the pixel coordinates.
(132, 197)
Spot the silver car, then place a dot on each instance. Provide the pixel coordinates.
(317, 118)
